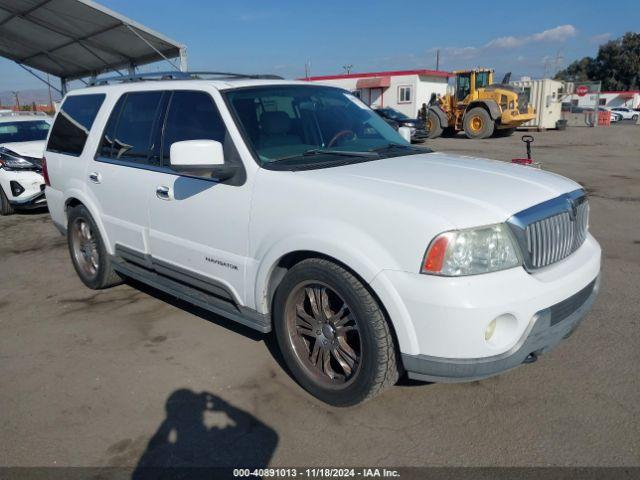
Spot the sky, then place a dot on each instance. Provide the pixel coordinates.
(251, 36)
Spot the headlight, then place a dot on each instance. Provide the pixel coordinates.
(472, 251)
(11, 160)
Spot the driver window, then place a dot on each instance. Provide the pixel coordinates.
(463, 87)
(191, 116)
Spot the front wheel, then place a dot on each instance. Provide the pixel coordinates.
(478, 123)
(333, 335)
(88, 253)
(5, 207)
(433, 127)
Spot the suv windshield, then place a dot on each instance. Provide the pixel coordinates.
(23, 131)
(313, 125)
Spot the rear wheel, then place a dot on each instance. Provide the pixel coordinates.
(88, 252)
(634, 118)
(333, 335)
(478, 123)
(434, 129)
(5, 207)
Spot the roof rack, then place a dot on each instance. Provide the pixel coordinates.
(177, 75)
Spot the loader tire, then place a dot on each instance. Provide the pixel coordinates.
(478, 123)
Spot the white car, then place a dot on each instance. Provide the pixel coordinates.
(22, 142)
(625, 113)
(293, 207)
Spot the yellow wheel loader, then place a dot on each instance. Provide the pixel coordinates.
(478, 106)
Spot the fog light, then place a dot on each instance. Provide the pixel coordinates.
(491, 328)
(16, 188)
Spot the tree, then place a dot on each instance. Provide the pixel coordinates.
(617, 65)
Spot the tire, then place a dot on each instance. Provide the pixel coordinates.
(88, 253)
(5, 207)
(432, 125)
(346, 314)
(505, 132)
(478, 123)
(634, 118)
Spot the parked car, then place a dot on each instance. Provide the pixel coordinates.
(22, 142)
(417, 127)
(625, 113)
(293, 207)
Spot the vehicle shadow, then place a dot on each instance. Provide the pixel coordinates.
(203, 436)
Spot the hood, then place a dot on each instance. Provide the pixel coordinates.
(33, 149)
(464, 191)
(414, 122)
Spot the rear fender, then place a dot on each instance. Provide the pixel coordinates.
(490, 105)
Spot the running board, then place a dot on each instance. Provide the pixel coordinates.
(207, 301)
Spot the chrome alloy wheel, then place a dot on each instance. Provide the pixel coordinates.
(85, 247)
(323, 333)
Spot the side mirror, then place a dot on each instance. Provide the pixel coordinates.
(200, 158)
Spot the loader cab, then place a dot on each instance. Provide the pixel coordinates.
(469, 81)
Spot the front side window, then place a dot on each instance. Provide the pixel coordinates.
(463, 86)
(73, 123)
(24, 131)
(300, 125)
(191, 116)
(404, 94)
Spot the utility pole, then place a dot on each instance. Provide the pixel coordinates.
(307, 69)
(50, 97)
(348, 68)
(437, 60)
(16, 94)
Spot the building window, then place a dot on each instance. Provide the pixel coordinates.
(404, 94)
(602, 101)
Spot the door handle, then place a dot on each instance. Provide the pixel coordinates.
(163, 193)
(95, 177)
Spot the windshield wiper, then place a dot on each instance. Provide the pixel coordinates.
(399, 146)
(320, 151)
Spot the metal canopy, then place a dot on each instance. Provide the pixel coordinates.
(73, 39)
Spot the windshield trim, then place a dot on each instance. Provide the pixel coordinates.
(339, 161)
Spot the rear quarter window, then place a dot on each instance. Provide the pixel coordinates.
(73, 124)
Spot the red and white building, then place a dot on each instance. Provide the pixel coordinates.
(611, 99)
(403, 90)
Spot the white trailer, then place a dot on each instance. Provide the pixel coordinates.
(546, 97)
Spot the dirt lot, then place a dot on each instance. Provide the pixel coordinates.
(90, 378)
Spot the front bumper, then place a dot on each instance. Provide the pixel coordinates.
(27, 184)
(547, 328)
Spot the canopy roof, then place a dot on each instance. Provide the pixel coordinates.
(78, 38)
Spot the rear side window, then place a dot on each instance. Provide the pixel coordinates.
(192, 116)
(129, 132)
(73, 124)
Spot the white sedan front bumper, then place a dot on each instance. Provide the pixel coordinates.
(23, 188)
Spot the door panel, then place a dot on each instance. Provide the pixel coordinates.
(199, 225)
(120, 178)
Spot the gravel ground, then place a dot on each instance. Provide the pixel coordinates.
(90, 378)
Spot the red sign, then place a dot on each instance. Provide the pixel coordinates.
(582, 90)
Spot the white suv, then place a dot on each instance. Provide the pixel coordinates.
(22, 141)
(293, 207)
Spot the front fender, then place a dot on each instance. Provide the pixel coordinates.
(362, 254)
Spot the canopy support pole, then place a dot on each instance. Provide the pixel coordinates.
(39, 77)
(151, 46)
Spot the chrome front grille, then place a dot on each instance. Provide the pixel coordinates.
(553, 230)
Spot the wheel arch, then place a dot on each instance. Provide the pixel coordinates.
(489, 105)
(401, 327)
(75, 198)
